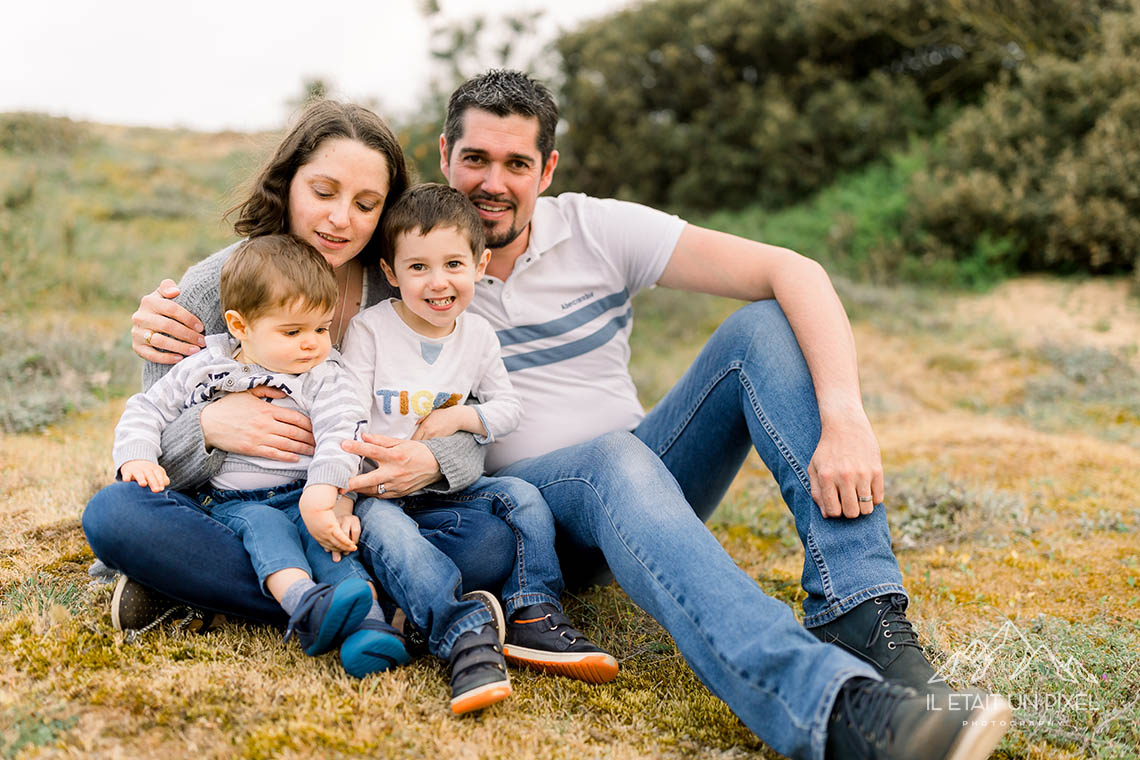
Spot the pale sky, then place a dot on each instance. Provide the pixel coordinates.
(226, 64)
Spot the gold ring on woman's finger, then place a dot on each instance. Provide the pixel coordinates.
(147, 336)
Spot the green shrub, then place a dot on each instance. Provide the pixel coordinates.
(1041, 175)
(721, 103)
(39, 133)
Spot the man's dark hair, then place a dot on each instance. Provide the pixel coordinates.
(423, 208)
(503, 92)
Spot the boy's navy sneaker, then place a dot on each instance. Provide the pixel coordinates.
(541, 636)
(327, 614)
(491, 602)
(478, 672)
(373, 647)
(880, 720)
(138, 609)
(878, 633)
(417, 643)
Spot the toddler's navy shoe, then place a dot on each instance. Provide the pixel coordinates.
(327, 614)
(373, 647)
(541, 636)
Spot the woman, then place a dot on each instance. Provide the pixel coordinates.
(329, 181)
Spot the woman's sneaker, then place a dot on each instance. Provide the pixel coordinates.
(542, 637)
(327, 614)
(373, 647)
(478, 672)
(137, 609)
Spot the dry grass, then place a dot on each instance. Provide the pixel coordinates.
(998, 516)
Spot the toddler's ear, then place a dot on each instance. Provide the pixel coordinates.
(484, 260)
(236, 324)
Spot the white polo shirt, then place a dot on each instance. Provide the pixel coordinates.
(564, 317)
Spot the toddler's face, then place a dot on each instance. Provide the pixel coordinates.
(436, 275)
(293, 338)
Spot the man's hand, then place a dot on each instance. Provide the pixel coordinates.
(402, 467)
(846, 471)
(242, 423)
(444, 422)
(318, 511)
(160, 323)
(145, 473)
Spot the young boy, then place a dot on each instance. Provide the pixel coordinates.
(416, 361)
(278, 294)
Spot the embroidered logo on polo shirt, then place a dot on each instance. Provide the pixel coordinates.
(578, 300)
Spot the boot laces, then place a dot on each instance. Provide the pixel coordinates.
(891, 623)
(866, 707)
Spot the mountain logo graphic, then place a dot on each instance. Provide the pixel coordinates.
(1008, 644)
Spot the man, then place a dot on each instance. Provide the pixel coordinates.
(779, 375)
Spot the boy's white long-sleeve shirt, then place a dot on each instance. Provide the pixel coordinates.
(402, 376)
(324, 394)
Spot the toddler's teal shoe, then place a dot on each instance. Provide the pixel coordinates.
(327, 614)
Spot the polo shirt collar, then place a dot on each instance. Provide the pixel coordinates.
(548, 227)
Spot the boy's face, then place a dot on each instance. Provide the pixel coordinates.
(436, 275)
(293, 338)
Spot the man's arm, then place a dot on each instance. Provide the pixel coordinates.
(847, 461)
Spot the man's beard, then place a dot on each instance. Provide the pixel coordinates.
(504, 239)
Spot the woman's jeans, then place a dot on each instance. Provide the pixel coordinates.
(424, 582)
(169, 542)
(636, 501)
(269, 523)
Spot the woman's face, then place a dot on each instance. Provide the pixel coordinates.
(336, 198)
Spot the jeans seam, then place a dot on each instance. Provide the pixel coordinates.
(700, 397)
(743, 676)
(812, 548)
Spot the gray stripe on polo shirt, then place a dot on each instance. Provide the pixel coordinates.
(513, 335)
(569, 350)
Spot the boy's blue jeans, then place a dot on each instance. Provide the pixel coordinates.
(636, 501)
(425, 583)
(167, 541)
(268, 521)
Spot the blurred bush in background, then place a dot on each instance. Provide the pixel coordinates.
(1042, 173)
(703, 104)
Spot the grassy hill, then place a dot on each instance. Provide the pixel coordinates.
(1009, 421)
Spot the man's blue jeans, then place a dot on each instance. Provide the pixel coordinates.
(269, 523)
(425, 583)
(636, 501)
(167, 541)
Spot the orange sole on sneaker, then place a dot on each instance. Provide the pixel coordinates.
(483, 696)
(592, 667)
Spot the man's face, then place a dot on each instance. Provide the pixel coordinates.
(496, 163)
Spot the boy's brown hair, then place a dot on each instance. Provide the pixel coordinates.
(425, 207)
(272, 271)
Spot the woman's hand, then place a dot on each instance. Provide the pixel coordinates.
(402, 467)
(242, 423)
(160, 323)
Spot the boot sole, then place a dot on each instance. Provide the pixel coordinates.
(592, 667)
(491, 602)
(986, 727)
(480, 697)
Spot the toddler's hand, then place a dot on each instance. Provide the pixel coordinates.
(145, 473)
(317, 502)
(444, 422)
